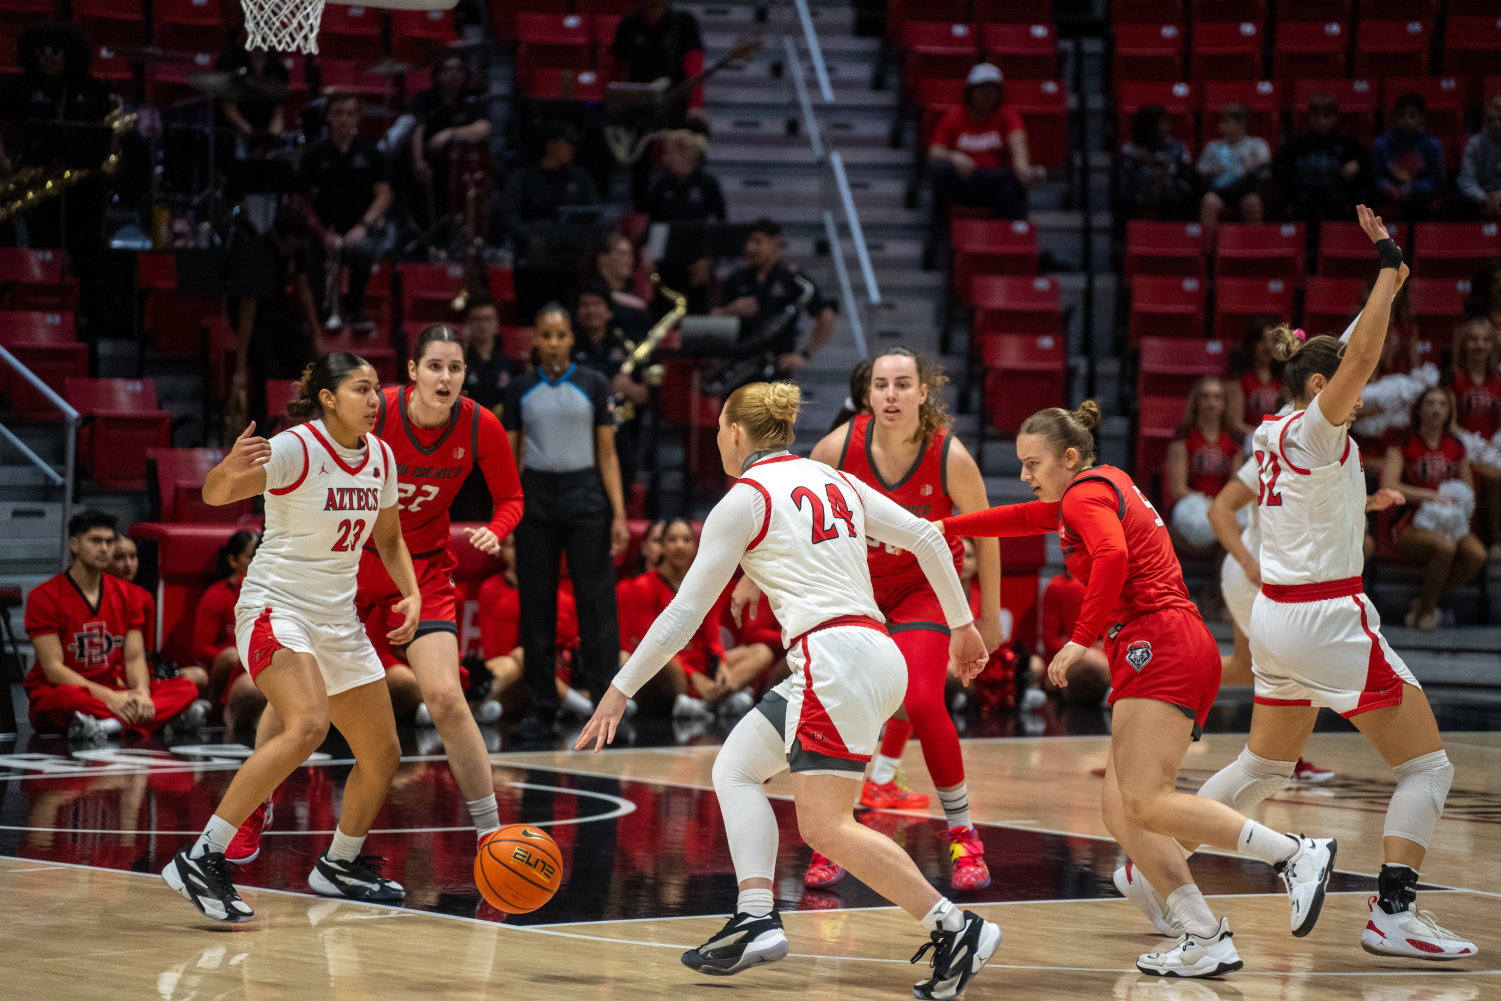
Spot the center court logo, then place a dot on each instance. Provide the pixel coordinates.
(1139, 654)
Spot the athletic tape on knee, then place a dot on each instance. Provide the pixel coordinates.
(1247, 781)
(1422, 786)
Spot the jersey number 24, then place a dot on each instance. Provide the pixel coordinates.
(836, 504)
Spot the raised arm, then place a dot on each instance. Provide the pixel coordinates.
(1363, 349)
(967, 489)
(242, 473)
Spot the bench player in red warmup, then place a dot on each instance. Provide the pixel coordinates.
(1165, 672)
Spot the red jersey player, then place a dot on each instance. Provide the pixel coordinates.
(1165, 671)
(86, 625)
(904, 450)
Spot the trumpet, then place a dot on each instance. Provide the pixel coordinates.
(624, 408)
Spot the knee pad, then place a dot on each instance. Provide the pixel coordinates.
(1422, 786)
(1247, 781)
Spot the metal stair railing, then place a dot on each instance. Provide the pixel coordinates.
(71, 420)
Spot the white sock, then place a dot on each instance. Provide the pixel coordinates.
(486, 814)
(111, 726)
(344, 848)
(955, 800)
(215, 837)
(756, 903)
(1186, 906)
(884, 770)
(1260, 841)
(944, 915)
(578, 704)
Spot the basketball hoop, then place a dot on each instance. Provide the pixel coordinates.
(292, 25)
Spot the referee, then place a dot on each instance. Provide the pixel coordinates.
(560, 419)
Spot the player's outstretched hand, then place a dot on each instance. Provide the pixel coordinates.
(967, 653)
(601, 727)
(1058, 669)
(410, 610)
(484, 540)
(249, 451)
(1371, 223)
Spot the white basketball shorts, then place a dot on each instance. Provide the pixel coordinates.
(1321, 645)
(340, 646)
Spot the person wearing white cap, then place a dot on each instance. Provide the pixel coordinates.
(978, 153)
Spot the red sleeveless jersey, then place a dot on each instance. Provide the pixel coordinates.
(923, 490)
(433, 463)
(1209, 461)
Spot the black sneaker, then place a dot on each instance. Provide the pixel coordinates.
(358, 878)
(534, 730)
(957, 957)
(208, 882)
(743, 942)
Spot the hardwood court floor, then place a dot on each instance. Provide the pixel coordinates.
(83, 915)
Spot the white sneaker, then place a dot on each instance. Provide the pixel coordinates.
(487, 711)
(1033, 699)
(424, 718)
(1135, 888)
(1412, 934)
(194, 716)
(1306, 876)
(1194, 956)
(87, 728)
(686, 707)
(738, 704)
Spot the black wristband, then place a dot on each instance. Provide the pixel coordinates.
(1391, 254)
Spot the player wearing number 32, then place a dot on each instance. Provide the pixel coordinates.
(1164, 674)
(329, 484)
(798, 528)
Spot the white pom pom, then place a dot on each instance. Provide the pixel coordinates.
(1452, 519)
(1191, 520)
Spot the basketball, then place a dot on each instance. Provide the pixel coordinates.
(518, 869)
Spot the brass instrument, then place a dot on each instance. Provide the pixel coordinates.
(624, 408)
(31, 185)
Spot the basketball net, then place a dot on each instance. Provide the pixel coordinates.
(282, 25)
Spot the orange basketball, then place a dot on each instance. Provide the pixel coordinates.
(518, 868)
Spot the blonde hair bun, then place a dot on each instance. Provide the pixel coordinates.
(767, 410)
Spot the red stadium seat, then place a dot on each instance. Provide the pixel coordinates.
(1222, 11)
(174, 478)
(555, 41)
(1346, 252)
(517, 341)
(126, 422)
(1236, 299)
(1043, 105)
(1225, 51)
(345, 74)
(1169, 366)
(547, 83)
(1022, 51)
(1454, 249)
(1438, 304)
(45, 343)
(937, 49)
(191, 25)
(428, 289)
(990, 247)
(1329, 304)
(503, 15)
(1024, 373)
(1148, 52)
(1265, 250)
(1310, 49)
(40, 284)
(1472, 43)
(1164, 248)
(1180, 99)
(167, 83)
(113, 69)
(1392, 48)
(1166, 306)
(416, 33)
(1357, 105)
(279, 393)
(1263, 97)
(17, 15)
(1399, 10)
(1014, 305)
(1445, 117)
(1013, 11)
(1157, 421)
(381, 357)
(1147, 12)
(173, 319)
(111, 22)
(351, 32)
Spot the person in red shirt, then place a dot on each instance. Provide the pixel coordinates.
(978, 153)
(1477, 397)
(1164, 666)
(1200, 460)
(1253, 394)
(90, 678)
(214, 634)
(125, 564)
(1089, 676)
(1428, 458)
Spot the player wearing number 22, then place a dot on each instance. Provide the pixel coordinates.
(1164, 674)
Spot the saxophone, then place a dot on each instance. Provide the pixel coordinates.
(624, 408)
(29, 186)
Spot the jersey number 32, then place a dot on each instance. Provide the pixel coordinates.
(1268, 468)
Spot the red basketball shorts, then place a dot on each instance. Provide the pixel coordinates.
(1169, 656)
(378, 592)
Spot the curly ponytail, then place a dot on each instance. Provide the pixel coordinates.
(1066, 429)
(934, 411)
(328, 372)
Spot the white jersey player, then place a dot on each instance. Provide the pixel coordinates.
(1316, 638)
(798, 528)
(329, 484)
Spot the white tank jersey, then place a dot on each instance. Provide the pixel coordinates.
(1311, 499)
(321, 504)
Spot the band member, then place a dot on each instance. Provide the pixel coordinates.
(760, 292)
(447, 112)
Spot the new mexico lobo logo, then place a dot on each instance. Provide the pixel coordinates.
(1139, 654)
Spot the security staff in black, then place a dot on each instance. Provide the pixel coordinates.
(759, 294)
(561, 423)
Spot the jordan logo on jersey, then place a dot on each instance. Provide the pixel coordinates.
(93, 645)
(1139, 654)
(352, 499)
(322, 469)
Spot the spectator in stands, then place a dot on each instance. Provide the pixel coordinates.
(978, 154)
(1157, 177)
(125, 563)
(1200, 461)
(612, 260)
(858, 402)
(651, 44)
(1476, 385)
(86, 626)
(650, 553)
(1321, 173)
(1408, 161)
(682, 191)
(604, 347)
(256, 113)
(1233, 166)
(760, 293)
(214, 635)
(1419, 466)
(1252, 394)
(1485, 293)
(448, 112)
(561, 423)
(1089, 676)
(269, 342)
(533, 210)
(1479, 181)
(350, 184)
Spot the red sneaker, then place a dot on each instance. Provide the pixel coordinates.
(246, 844)
(891, 796)
(1307, 771)
(821, 872)
(968, 854)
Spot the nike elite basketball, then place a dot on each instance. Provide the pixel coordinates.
(518, 869)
